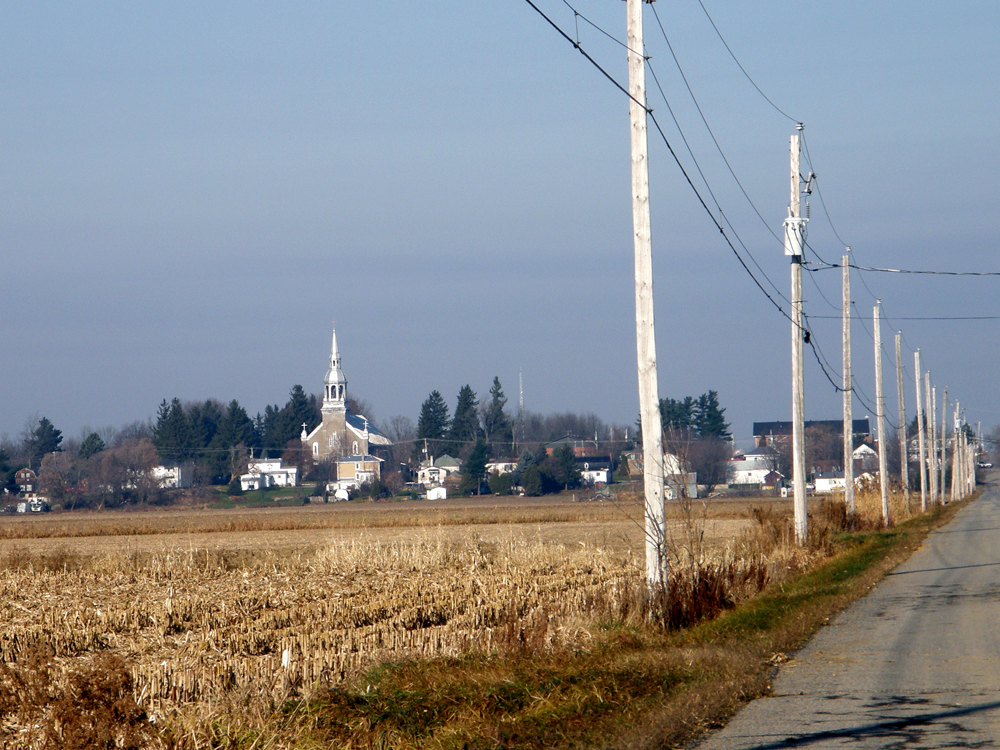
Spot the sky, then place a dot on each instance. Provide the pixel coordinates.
(190, 194)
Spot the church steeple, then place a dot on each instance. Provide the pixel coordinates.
(335, 384)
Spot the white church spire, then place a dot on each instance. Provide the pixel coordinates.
(335, 384)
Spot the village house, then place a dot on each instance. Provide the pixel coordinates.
(594, 469)
(268, 472)
(26, 481)
(501, 466)
(174, 477)
(580, 447)
(435, 471)
(753, 467)
(354, 471)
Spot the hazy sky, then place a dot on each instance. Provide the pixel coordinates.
(191, 192)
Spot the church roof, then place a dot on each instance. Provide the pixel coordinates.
(357, 424)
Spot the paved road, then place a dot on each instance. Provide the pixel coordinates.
(916, 664)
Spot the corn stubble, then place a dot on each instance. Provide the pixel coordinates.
(205, 649)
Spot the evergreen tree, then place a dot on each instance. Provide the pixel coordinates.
(474, 471)
(465, 423)
(7, 473)
(531, 482)
(273, 435)
(433, 425)
(677, 416)
(45, 438)
(566, 471)
(496, 423)
(236, 433)
(171, 434)
(203, 423)
(710, 418)
(300, 410)
(91, 446)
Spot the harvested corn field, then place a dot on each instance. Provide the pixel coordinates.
(205, 618)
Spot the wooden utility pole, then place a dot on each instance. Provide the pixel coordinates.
(904, 452)
(929, 435)
(942, 464)
(649, 403)
(935, 496)
(954, 456)
(921, 444)
(794, 244)
(883, 470)
(848, 391)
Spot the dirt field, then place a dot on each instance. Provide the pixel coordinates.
(613, 525)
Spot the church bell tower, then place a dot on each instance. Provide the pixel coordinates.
(335, 384)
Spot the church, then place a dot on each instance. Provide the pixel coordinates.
(341, 434)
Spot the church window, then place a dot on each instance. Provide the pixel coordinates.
(315, 449)
(355, 447)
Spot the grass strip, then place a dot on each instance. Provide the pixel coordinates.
(635, 688)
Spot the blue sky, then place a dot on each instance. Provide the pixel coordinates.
(191, 192)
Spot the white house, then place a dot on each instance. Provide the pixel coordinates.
(501, 466)
(594, 469)
(678, 478)
(829, 482)
(269, 472)
(173, 477)
(752, 467)
(867, 457)
(434, 471)
(437, 493)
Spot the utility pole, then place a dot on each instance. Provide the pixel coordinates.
(848, 390)
(904, 453)
(942, 464)
(920, 435)
(649, 404)
(935, 496)
(929, 435)
(795, 230)
(954, 455)
(883, 469)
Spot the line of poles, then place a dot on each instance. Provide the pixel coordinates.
(932, 444)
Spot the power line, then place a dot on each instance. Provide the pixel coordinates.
(914, 317)
(740, 65)
(709, 129)
(921, 272)
(807, 334)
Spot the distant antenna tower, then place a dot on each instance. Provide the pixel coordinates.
(520, 401)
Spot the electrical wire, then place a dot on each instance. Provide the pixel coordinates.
(687, 145)
(709, 128)
(807, 334)
(740, 65)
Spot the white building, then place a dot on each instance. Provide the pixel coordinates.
(501, 466)
(829, 482)
(678, 479)
(174, 477)
(435, 471)
(752, 467)
(269, 472)
(866, 456)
